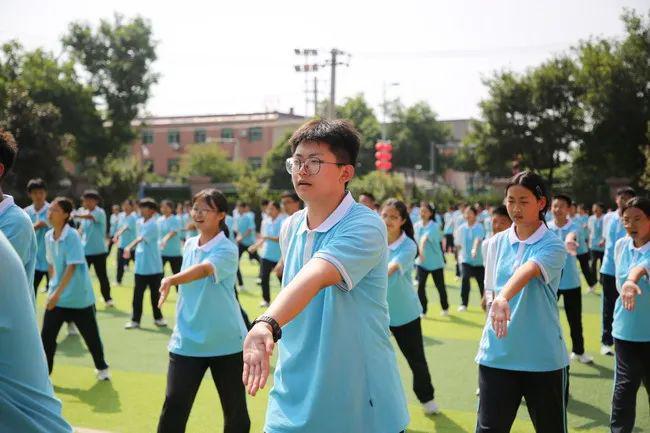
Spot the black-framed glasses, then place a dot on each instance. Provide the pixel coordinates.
(311, 165)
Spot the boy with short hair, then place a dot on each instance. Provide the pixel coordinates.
(37, 211)
(336, 370)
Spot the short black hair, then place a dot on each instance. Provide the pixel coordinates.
(563, 197)
(170, 204)
(264, 201)
(626, 190)
(369, 195)
(502, 211)
(341, 136)
(292, 195)
(640, 203)
(148, 203)
(8, 151)
(37, 183)
(600, 204)
(91, 193)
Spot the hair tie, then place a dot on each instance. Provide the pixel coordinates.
(539, 190)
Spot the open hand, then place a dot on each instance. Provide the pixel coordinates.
(258, 348)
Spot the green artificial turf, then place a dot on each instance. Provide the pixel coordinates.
(132, 400)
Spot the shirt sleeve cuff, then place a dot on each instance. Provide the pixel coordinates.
(347, 283)
(542, 270)
(76, 262)
(214, 269)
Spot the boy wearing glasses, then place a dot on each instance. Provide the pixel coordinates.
(336, 369)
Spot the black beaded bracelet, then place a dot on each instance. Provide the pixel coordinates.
(275, 327)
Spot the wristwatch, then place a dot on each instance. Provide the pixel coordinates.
(275, 327)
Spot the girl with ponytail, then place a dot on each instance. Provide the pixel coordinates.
(404, 306)
(209, 331)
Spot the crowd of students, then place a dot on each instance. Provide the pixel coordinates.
(346, 270)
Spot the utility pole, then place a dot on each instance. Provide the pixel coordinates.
(306, 67)
(315, 96)
(333, 63)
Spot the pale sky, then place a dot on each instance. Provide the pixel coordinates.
(216, 57)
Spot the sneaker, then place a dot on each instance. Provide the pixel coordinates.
(131, 325)
(606, 350)
(264, 304)
(72, 329)
(478, 391)
(444, 313)
(430, 408)
(415, 282)
(258, 281)
(583, 359)
(161, 323)
(109, 304)
(103, 374)
(462, 308)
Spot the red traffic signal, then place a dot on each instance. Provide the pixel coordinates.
(383, 155)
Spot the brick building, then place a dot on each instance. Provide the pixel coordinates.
(246, 137)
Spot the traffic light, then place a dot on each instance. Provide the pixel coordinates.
(383, 155)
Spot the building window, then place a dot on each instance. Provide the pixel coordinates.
(200, 136)
(255, 133)
(147, 136)
(227, 133)
(148, 165)
(255, 162)
(172, 165)
(173, 137)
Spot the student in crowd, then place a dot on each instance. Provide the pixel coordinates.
(404, 306)
(93, 233)
(180, 214)
(368, 200)
(414, 212)
(596, 238)
(27, 401)
(430, 260)
(186, 219)
(291, 204)
(124, 235)
(113, 223)
(270, 248)
(523, 271)
(148, 264)
(169, 227)
(578, 216)
(332, 312)
(614, 230)
(246, 235)
(500, 222)
(14, 222)
(631, 328)
(448, 230)
(209, 330)
(70, 296)
(37, 211)
(569, 232)
(470, 235)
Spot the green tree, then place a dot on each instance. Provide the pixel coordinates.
(208, 159)
(357, 110)
(381, 185)
(117, 56)
(117, 177)
(250, 188)
(273, 169)
(413, 131)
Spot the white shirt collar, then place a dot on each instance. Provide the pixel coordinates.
(539, 233)
(151, 220)
(6, 203)
(31, 207)
(211, 243)
(336, 216)
(640, 250)
(64, 233)
(397, 242)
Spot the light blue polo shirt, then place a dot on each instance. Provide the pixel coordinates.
(448, 218)
(582, 231)
(336, 368)
(595, 233)
(403, 303)
(433, 258)
(534, 341)
(244, 222)
(632, 325)
(128, 235)
(166, 225)
(93, 233)
(271, 249)
(27, 402)
(147, 253)
(114, 222)
(35, 216)
(18, 228)
(208, 319)
(415, 215)
(570, 276)
(613, 233)
(62, 252)
(467, 235)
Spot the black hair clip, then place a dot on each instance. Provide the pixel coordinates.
(539, 190)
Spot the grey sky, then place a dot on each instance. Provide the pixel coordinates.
(218, 57)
